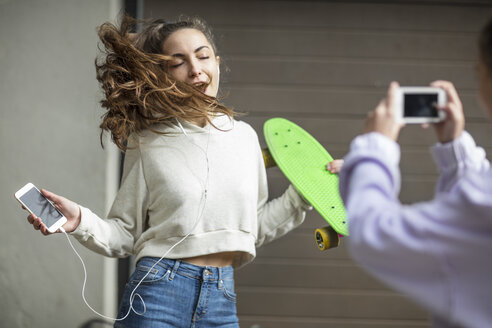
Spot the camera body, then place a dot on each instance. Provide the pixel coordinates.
(418, 104)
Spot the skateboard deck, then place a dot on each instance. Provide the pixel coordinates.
(303, 161)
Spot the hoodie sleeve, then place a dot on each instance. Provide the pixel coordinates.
(115, 235)
(280, 215)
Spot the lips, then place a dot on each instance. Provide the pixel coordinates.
(202, 86)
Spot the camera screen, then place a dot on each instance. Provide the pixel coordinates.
(40, 206)
(420, 105)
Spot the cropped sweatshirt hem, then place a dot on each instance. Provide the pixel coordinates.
(202, 244)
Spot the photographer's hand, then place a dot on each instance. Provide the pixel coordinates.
(382, 119)
(454, 123)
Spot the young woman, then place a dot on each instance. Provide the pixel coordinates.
(194, 187)
(438, 252)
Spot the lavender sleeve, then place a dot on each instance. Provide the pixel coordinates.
(423, 250)
(456, 158)
(388, 239)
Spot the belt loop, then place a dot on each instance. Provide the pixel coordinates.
(175, 269)
(220, 282)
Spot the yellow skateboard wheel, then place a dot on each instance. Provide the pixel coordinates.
(326, 238)
(268, 158)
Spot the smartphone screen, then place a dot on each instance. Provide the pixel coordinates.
(420, 105)
(41, 207)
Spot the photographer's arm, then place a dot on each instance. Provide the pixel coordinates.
(390, 240)
(415, 249)
(456, 153)
(457, 157)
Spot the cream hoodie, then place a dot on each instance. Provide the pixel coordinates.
(162, 195)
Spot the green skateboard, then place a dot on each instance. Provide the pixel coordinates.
(303, 161)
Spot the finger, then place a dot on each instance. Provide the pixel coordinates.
(37, 223)
(425, 126)
(381, 106)
(30, 219)
(390, 99)
(450, 90)
(52, 196)
(335, 169)
(446, 108)
(336, 165)
(330, 167)
(337, 162)
(44, 230)
(379, 111)
(451, 110)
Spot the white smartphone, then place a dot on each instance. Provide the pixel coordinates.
(418, 104)
(35, 202)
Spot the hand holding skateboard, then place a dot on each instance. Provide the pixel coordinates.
(303, 160)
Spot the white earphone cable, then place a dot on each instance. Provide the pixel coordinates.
(201, 210)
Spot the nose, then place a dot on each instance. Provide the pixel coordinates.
(195, 69)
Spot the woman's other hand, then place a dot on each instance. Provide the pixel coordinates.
(68, 208)
(335, 166)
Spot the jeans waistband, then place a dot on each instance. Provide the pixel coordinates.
(205, 273)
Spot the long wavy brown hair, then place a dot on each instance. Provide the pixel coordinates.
(139, 93)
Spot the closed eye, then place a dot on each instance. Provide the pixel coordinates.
(176, 65)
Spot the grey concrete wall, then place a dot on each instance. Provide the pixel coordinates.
(49, 135)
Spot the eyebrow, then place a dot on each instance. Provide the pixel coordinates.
(196, 50)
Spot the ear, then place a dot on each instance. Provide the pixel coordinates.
(217, 59)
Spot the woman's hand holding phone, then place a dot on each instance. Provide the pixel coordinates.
(68, 208)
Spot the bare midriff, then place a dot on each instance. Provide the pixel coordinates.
(216, 260)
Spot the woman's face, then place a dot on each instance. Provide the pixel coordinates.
(194, 60)
(485, 87)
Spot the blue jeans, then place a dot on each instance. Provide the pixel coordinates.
(180, 294)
